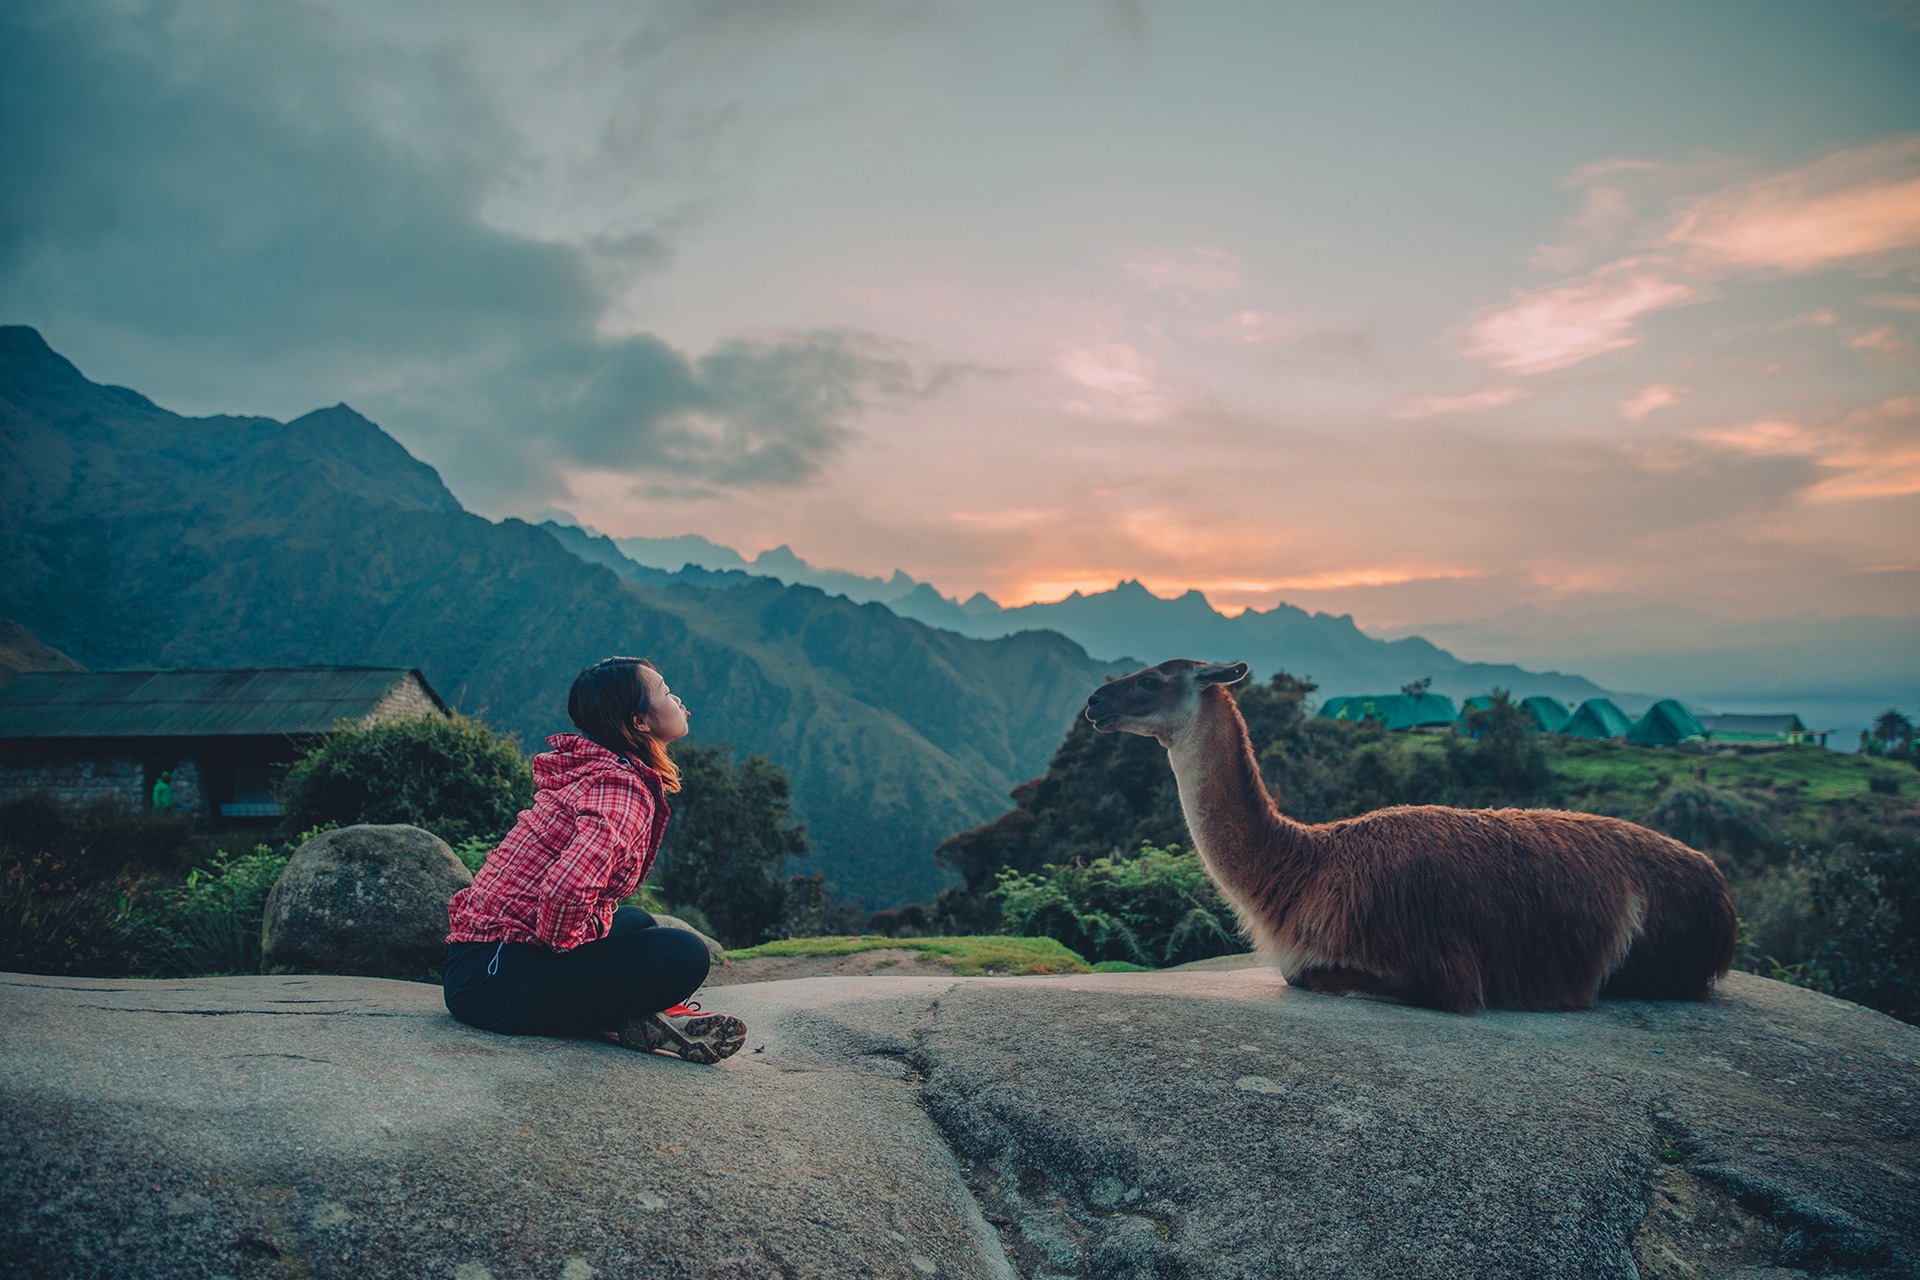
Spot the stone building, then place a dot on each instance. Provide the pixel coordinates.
(223, 737)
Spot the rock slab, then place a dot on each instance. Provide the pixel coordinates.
(1196, 1124)
(368, 900)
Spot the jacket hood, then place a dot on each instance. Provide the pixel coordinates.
(575, 757)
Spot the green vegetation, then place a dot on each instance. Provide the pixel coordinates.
(1822, 850)
(99, 890)
(724, 865)
(1152, 908)
(967, 956)
(454, 777)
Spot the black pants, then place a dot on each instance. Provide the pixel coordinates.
(521, 989)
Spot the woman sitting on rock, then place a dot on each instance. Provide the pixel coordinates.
(539, 944)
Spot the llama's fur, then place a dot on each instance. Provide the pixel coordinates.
(1453, 909)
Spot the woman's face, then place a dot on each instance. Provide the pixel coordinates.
(666, 717)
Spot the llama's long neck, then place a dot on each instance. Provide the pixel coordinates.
(1246, 843)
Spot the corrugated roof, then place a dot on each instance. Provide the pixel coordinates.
(1753, 724)
(193, 704)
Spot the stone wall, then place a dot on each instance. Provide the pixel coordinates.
(119, 778)
(406, 700)
(114, 778)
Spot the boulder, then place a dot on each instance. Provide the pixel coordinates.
(366, 900)
(717, 952)
(1188, 1124)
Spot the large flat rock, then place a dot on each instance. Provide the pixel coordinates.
(1203, 1124)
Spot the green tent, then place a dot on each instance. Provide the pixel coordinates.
(1550, 715)
(1393, 710)
(1666, 723)
(1598, 718)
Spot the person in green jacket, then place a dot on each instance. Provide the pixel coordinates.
(163, 791)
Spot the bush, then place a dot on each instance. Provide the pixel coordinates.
(728, 846)
(1712, 820)
(1158, 907)
(210, 925)
(71, 879)
(452, 776)
(1843, 920)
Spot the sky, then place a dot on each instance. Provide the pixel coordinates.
(1420, 312)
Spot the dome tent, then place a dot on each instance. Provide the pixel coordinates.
(1598, 718)
(1393, 710)
(1550, 715)
(1667, 723)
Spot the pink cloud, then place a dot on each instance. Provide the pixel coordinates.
(1896, 301)
(1112, 380)
(1881, 346)
(1874, 452)
(1193, 270)
(1546, 329)
(1434, 406)
(1661, 395)
(1854, 207)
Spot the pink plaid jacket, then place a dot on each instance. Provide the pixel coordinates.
(589, 840)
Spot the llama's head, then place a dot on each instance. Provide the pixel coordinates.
(1160, 701)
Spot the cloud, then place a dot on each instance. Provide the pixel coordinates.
(1111, 380)
(1542, 330)
(272, 192)
(1433, 406)
(1661, 395)
(1858, 207)
(1873, 452)
(1895, 301)
(1881, 346)
(1192, 270)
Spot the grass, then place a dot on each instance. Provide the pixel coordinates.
(1814, 775)
(967, 957)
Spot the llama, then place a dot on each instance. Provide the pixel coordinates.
(1453, 909)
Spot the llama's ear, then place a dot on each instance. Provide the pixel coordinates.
(1233, 673)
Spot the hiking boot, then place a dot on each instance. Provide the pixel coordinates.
(687, 1031)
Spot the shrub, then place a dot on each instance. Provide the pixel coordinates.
(1844, 920)
(69, 931)
(1157, 907)
(453, 776)
(210, 925)
(1713, 820)
(72, 876)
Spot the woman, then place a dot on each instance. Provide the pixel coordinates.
(539, 944)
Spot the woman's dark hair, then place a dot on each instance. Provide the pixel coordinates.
(606, 704)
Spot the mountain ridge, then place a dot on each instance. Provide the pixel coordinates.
(141, 538)
(1129, 621)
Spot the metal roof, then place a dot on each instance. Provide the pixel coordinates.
(194, 704)
(1753, 724)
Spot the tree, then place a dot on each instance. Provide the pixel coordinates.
(1892, 732)
(1417, 688)
(729, 843)
(453, 776)
(1505, 763)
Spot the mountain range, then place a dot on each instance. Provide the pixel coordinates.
(135, 537)
(1127, 624)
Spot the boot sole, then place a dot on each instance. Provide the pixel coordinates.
(704, 1039)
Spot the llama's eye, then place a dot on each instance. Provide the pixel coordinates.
(1151, 682)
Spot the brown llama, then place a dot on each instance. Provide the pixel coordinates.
(1453, 909)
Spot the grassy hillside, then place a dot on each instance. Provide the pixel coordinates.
(135, 537)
